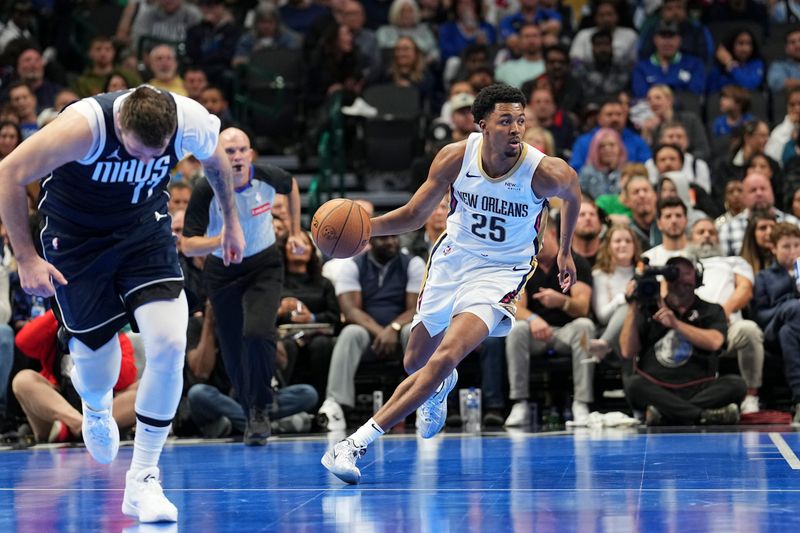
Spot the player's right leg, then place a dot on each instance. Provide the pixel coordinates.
(93, 376)
(465, 333)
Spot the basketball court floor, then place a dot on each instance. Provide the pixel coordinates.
(586, 480)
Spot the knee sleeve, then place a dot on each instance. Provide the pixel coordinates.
(96, 371)
(163, 326)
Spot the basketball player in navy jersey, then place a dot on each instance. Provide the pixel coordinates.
(109, 256)
(498, 189)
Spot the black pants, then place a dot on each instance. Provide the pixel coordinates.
(245, 299)
(684, 405)
(309, 363)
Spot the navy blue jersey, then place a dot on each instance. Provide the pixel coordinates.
(111, 190)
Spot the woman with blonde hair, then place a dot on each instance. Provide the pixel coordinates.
(607, 154)
(540, 138)
(612, 285)
(405, 21)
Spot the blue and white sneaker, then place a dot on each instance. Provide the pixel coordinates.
(100, 434)
(431, 415)
(341, 460)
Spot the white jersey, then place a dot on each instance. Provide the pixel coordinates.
(496, 218)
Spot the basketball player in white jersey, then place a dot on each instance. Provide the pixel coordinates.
(498, 189)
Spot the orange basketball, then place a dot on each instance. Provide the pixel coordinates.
(341, 228)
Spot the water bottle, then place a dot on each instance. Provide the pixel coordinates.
(473, 406)
(377, 400)
(37, 306)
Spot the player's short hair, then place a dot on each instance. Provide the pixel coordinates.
(150, 114)
(498, 93)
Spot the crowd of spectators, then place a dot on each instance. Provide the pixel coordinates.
(679, 118)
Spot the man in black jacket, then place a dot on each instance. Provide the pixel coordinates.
(675, 352)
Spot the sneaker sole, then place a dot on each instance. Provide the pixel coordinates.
(428, 434)
(133, 512)
(351, 478)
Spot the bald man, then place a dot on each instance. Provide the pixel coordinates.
(757, 193)
(245, 298)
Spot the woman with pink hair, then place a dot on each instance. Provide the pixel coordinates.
(607, 155)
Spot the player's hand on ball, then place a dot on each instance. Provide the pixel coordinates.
(232, 243)
(38, 277)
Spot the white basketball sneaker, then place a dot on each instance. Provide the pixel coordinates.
(100, 434)
(432, 414)
(341, 460)
(144, 498)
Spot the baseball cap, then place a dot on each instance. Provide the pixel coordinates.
(460, 101)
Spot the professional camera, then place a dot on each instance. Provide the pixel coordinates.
(648, 286)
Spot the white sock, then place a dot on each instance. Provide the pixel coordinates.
(367, 433)
(147, 445)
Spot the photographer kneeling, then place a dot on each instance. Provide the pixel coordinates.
(674, 345)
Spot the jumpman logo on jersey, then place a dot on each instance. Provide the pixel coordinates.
(114, 154)
(159, 216)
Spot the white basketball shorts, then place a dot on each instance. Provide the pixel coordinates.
(457, 281)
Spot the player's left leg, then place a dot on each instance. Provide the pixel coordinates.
(163, 326)
(466, 332)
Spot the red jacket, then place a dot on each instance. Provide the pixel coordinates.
(37, 340)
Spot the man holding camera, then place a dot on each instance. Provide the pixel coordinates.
(674, 344)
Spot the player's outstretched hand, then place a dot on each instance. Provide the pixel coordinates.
(232, 243)
(566, 271)
(38, 277)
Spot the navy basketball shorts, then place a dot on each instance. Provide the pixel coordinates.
(110, 274)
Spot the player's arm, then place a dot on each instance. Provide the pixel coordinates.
(413, 214)
(554, 177)
(67, 138)
(220, 176)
